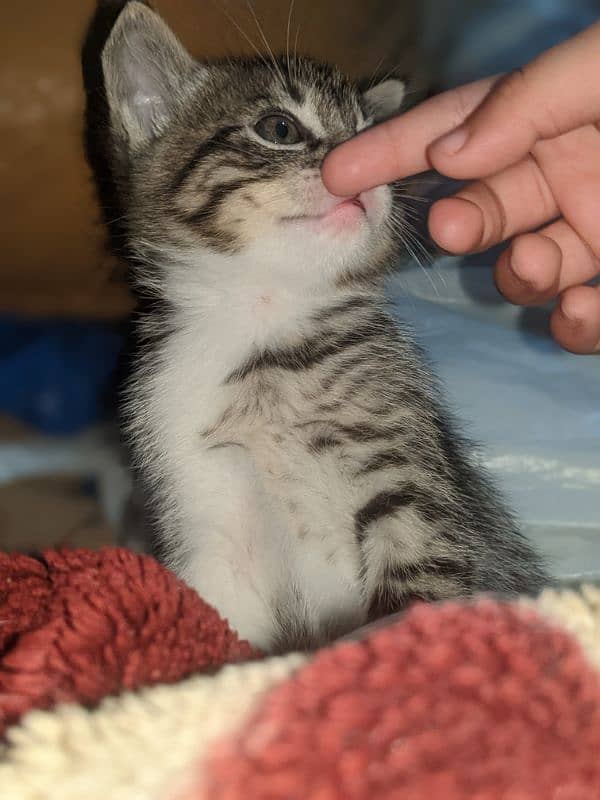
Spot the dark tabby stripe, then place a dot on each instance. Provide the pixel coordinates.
(363, 432)
(383, 459)
(388, 502)
(402, 572)
(306, 355)
(321, 443)
(330, 408)
(382, 505)
(217, 195)
(294, 91)
(385, 601)
(397, 589)
(444, 567)
(353, 303)
(347, 365)
(205, 149)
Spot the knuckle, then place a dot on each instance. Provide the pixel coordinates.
(511, 93)
(519, 91)
(494, 215)
(461, 105)
(512, 85)
(544, 199)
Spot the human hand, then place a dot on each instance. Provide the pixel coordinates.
(530, 142)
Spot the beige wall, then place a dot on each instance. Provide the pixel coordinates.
(53, 258)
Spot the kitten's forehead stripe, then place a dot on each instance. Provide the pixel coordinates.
(203, 150)
(294, 92)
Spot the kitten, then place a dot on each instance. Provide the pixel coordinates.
(303, 474)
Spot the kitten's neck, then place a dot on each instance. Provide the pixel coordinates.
(253, 304)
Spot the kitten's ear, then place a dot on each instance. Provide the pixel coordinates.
(145, 71)
(385, 99)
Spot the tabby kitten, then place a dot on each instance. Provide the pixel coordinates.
(302, 472)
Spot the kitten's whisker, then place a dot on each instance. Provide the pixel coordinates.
(410, 229)
(412, 197)
(406, 231)
(399, 216)
(296, 52)
(407, 187)
(236, 148)
(287, 36)
(421, 180)
(374, 74)
(427, 255)
(116, 219)
(409, 218)
(414, 256)
(267, 45)
(390, 71)
(243, 33)
(412, 208)
(402, 221)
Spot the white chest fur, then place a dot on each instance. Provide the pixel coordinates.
(254, 522)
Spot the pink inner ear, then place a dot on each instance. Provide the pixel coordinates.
(144, 67)
(147, 108)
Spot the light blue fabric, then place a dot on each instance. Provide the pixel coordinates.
(533, 408)
(469, 40)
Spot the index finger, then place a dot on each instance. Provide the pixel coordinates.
(398, 148)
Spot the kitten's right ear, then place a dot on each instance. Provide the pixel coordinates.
(145, 71)
(385, 99)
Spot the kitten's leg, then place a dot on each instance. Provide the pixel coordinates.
(231, 539)
(406, 557)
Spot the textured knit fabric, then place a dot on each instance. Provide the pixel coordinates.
(454, 702)
(79, 625)
(484, 701)
(140, 746)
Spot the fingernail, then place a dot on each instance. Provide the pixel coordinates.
(568, 314)
(516, 273)
(452, 142)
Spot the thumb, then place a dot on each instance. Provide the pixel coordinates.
(555, 93)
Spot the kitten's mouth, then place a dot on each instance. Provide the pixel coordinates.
(345, 210)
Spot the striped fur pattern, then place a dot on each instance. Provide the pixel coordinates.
(303, 474)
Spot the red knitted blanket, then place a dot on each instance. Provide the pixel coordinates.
(485, 701)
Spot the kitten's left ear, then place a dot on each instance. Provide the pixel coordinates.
(385, 99)
(146, 71)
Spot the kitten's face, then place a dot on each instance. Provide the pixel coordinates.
(223, 160)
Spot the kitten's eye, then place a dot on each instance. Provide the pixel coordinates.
(278, 129)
